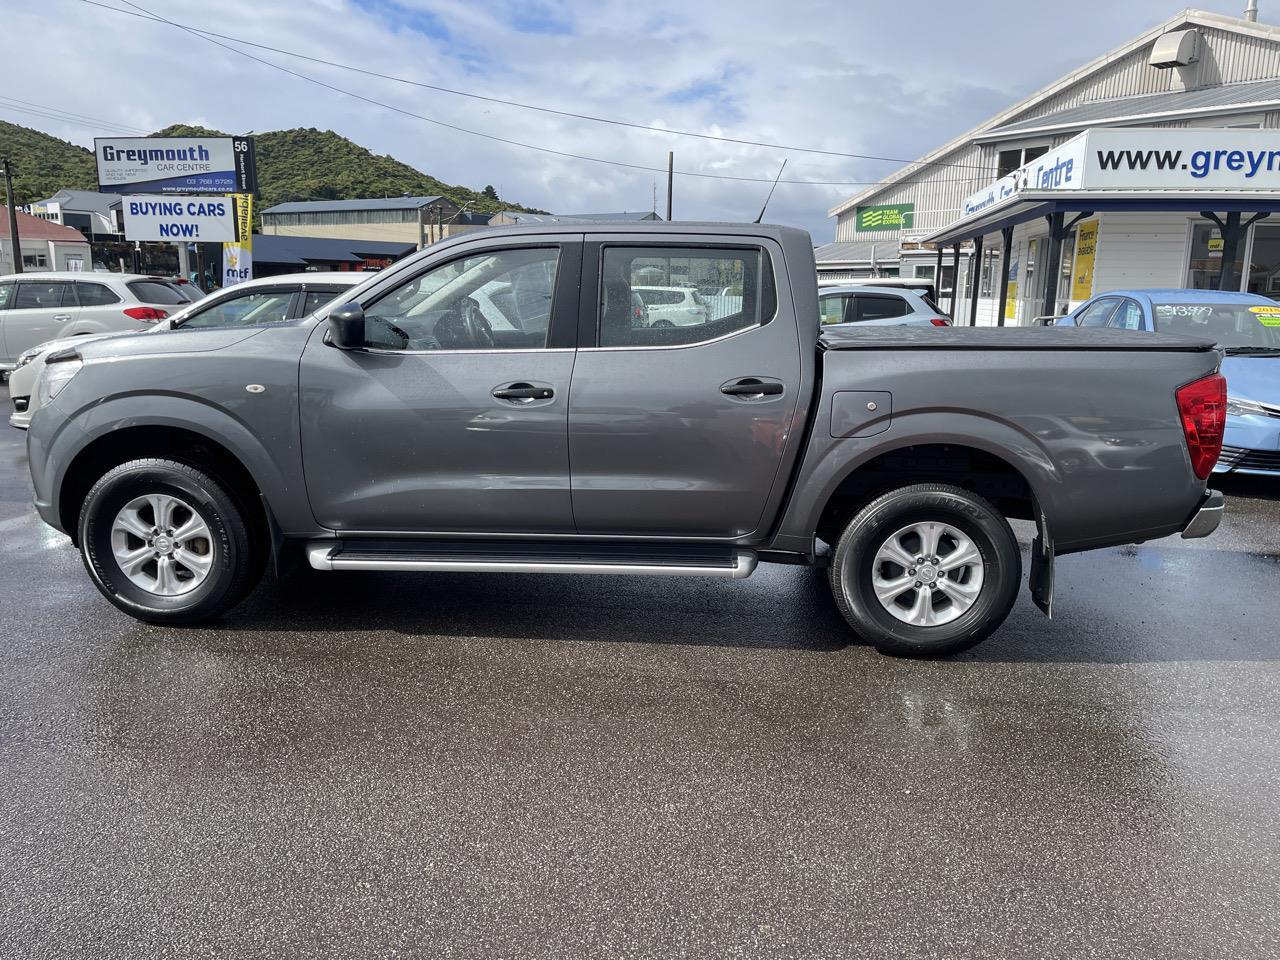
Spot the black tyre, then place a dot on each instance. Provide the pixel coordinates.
(926, 570)
(166, 542)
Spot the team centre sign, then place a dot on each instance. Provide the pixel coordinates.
(175, 164)
(180, 219)
(1146, 160)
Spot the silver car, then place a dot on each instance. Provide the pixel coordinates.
(878, 306)
(37, 307)
(266, 300)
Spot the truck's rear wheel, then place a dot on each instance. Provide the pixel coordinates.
(926, 570)
(166, 543)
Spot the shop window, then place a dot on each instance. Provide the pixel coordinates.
(1205, 261)
(1264, 261)
(1010, 160)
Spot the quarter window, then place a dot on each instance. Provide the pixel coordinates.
(6, 294)
(667, 281)
(490, 301)
(158, 292)
(95, 294)
(315, 299)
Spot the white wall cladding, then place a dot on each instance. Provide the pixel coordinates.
(1141, 250)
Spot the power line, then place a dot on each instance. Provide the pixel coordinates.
(145, 14)
(478, 133)
(56, 113)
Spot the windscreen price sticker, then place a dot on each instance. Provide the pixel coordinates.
(1268, 316)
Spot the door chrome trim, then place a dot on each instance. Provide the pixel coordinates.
(319, 556)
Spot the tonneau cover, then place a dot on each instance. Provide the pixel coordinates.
(1006, 338)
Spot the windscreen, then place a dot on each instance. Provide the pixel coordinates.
(1239, 326)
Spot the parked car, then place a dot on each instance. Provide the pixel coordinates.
(1246, 326)
(877, 306)
(37, 307)
(673, 306)
(394, 431)
(920, 285)
(255, 301)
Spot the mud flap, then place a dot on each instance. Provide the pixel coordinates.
(1041, 582)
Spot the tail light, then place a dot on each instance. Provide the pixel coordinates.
(1202, 405)
(940, 321)
(145, 314)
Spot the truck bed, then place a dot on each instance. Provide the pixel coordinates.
(1007, 338)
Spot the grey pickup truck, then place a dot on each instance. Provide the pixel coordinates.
(502, 402)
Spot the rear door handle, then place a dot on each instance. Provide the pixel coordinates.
(752, 388)
(523, 393)
(62, 317)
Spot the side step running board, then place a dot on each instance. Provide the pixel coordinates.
(474, 556)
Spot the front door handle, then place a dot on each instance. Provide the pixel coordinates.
(523, 393)
(752, 388)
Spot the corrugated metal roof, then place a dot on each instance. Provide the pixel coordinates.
(80, 200)
(327, 206)
(37, 228)
(856, 251)
(271, 248)
(1125, 109)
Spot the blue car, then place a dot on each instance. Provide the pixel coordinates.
(1246, 325)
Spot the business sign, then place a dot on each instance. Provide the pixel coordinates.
(1182, 159)
(175, 165)
(885, 216)
(179, 219)
(237, 257)
(1086, 251)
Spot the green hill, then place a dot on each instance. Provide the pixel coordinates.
(43, 165)
(297, 164)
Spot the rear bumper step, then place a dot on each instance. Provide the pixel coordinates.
(532, 557)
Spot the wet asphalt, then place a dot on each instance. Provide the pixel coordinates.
(390, 765)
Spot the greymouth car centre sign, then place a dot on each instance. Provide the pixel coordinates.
(175, 164)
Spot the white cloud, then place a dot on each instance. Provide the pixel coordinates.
(885, 79)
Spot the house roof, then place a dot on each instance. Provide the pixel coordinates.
(522, 217)
(300, 251)
(1155, 106)
(373, 203)
(37, 228)
(856, 251)
(1009, 115)
(84, 200)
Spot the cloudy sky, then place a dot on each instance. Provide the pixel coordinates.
(883, 79)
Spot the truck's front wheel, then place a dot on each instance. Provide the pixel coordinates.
(926, 570)
(166, 543)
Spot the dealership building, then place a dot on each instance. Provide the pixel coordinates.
(1155, 165)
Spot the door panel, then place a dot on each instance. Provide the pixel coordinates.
(41, 310)
(448, 424)
(661, 444)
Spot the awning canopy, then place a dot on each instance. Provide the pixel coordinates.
(1032, 204)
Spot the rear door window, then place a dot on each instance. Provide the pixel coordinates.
(43, 295)
(626, 269)
(880, 306)
(248, 309)
(159, 292)
(95, 294)
(1098, 313)
(1128, 317)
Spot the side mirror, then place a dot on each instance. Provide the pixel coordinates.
(346, 326)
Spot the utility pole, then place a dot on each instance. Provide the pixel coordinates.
(671, 164)
(13, 218)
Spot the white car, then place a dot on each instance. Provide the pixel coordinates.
(673, 306)
(37, 307)
(266, 300)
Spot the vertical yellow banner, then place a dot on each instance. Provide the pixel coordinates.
(1086, 248)
(237, 258)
